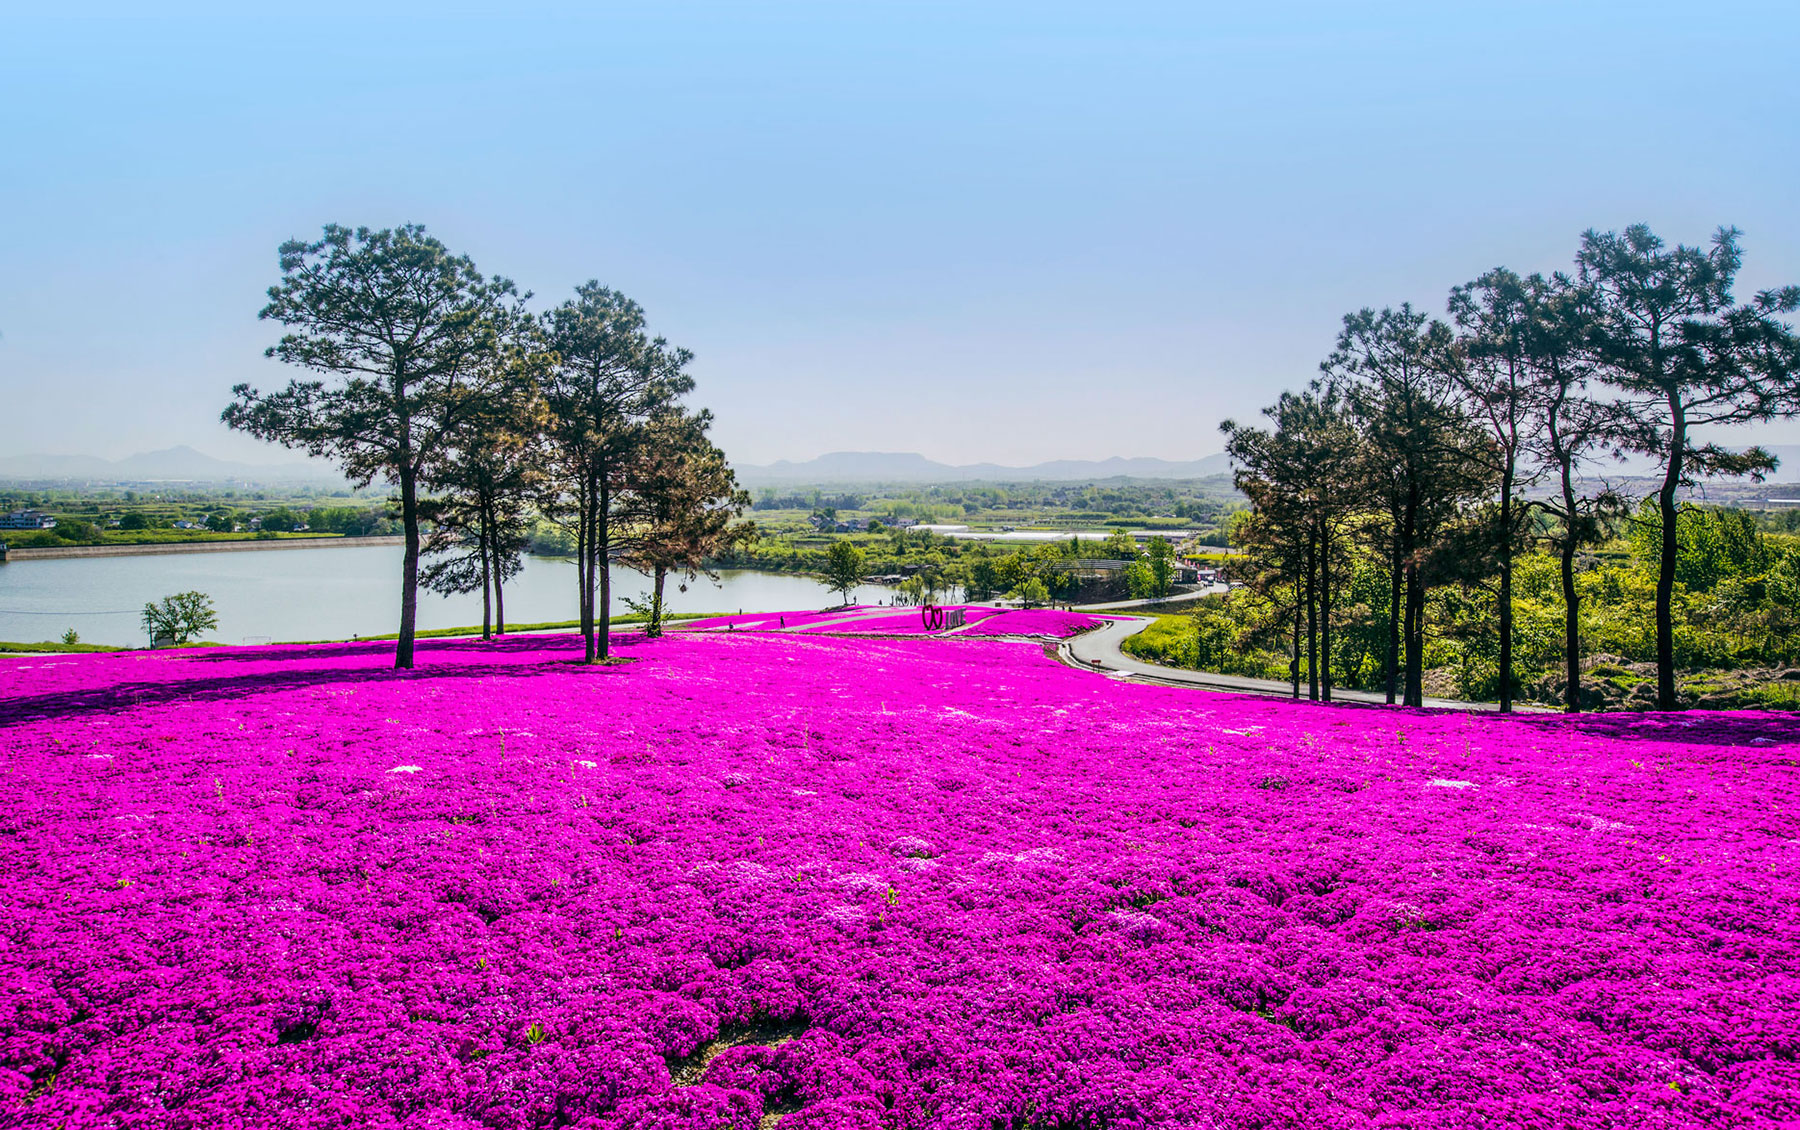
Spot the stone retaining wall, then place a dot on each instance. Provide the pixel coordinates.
(43, 553)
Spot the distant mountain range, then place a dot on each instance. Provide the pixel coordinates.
(892, 467)
(909, 467)
(175, 463)
(184, 463)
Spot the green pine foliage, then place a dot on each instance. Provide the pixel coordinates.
(1737, 605)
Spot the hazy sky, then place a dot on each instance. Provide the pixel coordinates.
(977, 231)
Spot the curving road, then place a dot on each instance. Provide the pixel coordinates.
(1099, 650)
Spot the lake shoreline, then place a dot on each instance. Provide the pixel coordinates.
(157, 549)
(331, 593)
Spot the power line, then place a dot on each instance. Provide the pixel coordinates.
(25, 612)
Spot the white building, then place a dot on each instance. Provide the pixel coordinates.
(27, 520)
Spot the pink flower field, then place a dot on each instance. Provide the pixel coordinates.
(1050, 623)
(904, 621)
(741, 880)
(769, 621)
(979, 620)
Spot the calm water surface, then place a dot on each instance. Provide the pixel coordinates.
(301, 594)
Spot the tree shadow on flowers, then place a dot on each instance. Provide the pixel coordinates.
(216, 686)
(1761, 729)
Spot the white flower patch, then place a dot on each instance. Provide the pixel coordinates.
(745, 871)
(1602, 824)
(1447, 783)
(1032, 855)
(912, 845)
(1135, 920)
(407, 769)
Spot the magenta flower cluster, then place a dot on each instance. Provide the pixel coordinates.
(904, 622)
(770, 621)
(861, 883)
(978, 620)
(1050, 623)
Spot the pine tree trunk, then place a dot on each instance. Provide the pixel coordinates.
(1294, 667)
(1393, 632)
(1506, 594)
(656, 604)
(602, 551)
(584, 562)
(1325, 617)
(1571, 625)
(1312, 622)
(409, 568)
(499, 578)
(487, 607)
(1665, 575)
(1415, 637)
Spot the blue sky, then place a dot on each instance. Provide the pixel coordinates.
(981, 232)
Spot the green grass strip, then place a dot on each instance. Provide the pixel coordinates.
(515, 629)
(48, 646)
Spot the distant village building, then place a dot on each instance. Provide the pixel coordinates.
(27, 520)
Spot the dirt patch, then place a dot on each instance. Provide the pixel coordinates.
(687, 1071)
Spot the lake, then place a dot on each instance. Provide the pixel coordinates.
(334, 593)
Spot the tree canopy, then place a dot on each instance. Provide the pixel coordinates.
(406, 330)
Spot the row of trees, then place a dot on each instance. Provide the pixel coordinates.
(484, 416)
(1050, 571)
(1445, 449)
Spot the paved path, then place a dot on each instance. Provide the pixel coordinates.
(1099, 650)
(1184, 595)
